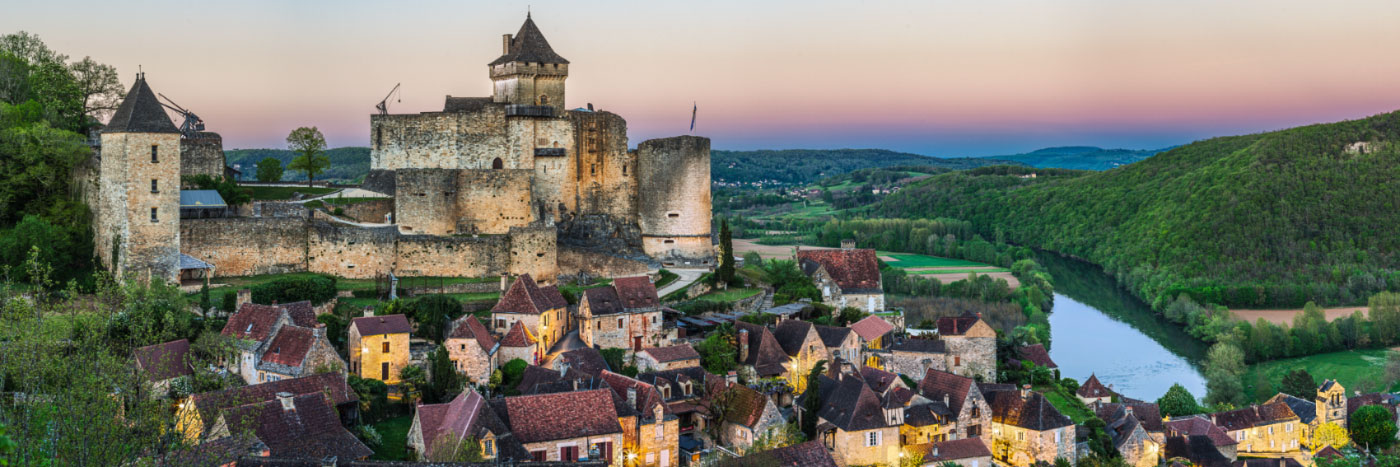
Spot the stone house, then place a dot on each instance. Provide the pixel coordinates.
(1136, 429)
(439, 429)
(683, 390)
(378, 347)
(667, 358)
(565, 426)
(199, 412)
(472, 349)
(541, 310)
(625, 315)
(967, 409)
(1026, 428)
(1330, 404)
(847, 277)
(760, 354)
(808, 454)
(1093, 392)
(1199, 440)
(279, 341)
(1270, 428)
(519, 343)
(586, 360)
(971, 346)
(966, 452)
(164, 363)
(856, 425)
(874, 335)
(649, 428)
(744, 414)
(297, 426)
(841, 343)
(804, 348)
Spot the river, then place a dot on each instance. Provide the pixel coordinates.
(1098, 327)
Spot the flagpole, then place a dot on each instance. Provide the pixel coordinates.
(693, 109)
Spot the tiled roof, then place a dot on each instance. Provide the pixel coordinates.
(1032, 412)
(290, 346)
(952, 451)
(920, 346)
(694, 375)
(219, 452)
(165, 361)
(853, 406)
(526, 297)
(518, 336)
(302, 313)
(140, 112)
(673, 353)
(936, 384)
(310, 430)
(878, 380)
(956, 325)
(871, 328)
(535, 375)
(1037, 354)
(550, 294)
(1146, 413)
(587, 360)
(1254, 415)
(209, 404)
(449, 421)
(1375, 398)
(1306, 410)
(765, 354)
(1280, 462)
(387, 324)
(603, 301)
(832, 336)
(791, 334)
(253, 322)
(528, 45)
(636, 292)
(808, 454)
(1328, 452)
(546, 417)
(1093, 388)
(468, 327)
(854, 270)
(648, 397)
(1199, 425)
(1199, 449)
(745, 404)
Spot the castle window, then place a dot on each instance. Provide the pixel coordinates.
(624, 169)
(592, 169)
(544, 100)
(378, 137)
(668, 241)
(153, 215)
(498, 164)
(673, 215)
(154, 158)
(155, 188)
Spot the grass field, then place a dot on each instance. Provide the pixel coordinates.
(1363, 367)
(729, 295)
(275, 193)
(910, 260)
(394, 432)
(1067, 405)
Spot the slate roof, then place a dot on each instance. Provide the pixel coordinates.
(878, 380)
(853, 406)
(648, 397)
(449, 421)
(956, 325)
(526, 297)
(952, 451)
(468, 327)
(208, 404)
(1093, 388)
(302, 313)
(921, 346)
(547, 417)
(673, 353)
(1146, 413)
(694, 375)
(201, 199)
(791, 334)
(465, 104)
(765, 354)
(311, 430)
(1254, 415)
(636, 292)
(586, 360)
(535, 375)
(140, 112)
(518, 336)
(387, 324)
(1032, 412)
(219, 452)
(1199, 425)
(528, 45)
(164, 361)
(871, 328)
(854, 270)
(745, 406)
(1306, 410)
(832, 336)
(290, 346)
(1037, 354)
(936, 384)
(253, 322)
(808, 454)
(189, 262)
(1199, 449)
(603, 301)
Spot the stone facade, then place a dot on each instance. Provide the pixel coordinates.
(869, 447)
(973, 354)
(552, 451)
(202, 154)
(138, 225)
(1020, 447)
(674, 213)
(369, 354)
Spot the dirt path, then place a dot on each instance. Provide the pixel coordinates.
(742, 246)
(1286, 316)
(957, 276)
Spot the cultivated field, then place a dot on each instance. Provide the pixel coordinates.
(1286, 316)
(946, 270)
(742, 246)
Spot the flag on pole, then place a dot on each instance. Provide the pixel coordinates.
(693, 109)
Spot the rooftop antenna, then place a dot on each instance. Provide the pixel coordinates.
(192, 124)
(383, 105)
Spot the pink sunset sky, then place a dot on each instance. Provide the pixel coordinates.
(942, 78)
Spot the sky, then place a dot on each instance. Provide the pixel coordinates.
(940, 78)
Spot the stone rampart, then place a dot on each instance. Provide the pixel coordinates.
(244, 246)
(350, 251)
(574, 261)
(202, 154)
(439, 140)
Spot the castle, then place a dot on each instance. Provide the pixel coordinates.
(514, 183)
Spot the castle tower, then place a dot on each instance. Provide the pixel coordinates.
(138, 224)
(528, 71)
(1331, 403)
(673, 204)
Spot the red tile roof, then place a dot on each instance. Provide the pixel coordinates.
(526, 297)
(956, 325)
(1037, 354)
(387, 324)
(871, 328)
(303, 313)
(808, 454)
(952, 451)
(289, 346)
(311, 429)
(672, 353)
(468, 327)
(1199, 425)
(855, 270)
(636, 292)
(165, 361)
(1093, 388)
(452, 418)
(253, 322)
(878, 380)
(210, 403)
(745, 404)
(518, 336)
(765, 354)
(565, 415)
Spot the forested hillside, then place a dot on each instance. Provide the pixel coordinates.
(804, 166)
(1080, 157)
(1265, 220)
(349, 164)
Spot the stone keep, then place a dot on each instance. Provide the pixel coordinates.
(138, 220)
(674, 211)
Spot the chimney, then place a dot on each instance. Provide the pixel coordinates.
(505, 44)
(743, 345)
(945, 401)
(732, 377)
(369, 311)
(632, 397)
(1128, 409)
(848, 244)
(286, 399)
(505, 277)
(244, 296)
(1025, 391)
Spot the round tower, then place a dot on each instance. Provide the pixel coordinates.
(528, 71)
(673, 203)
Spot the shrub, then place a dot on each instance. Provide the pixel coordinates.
(230, 301)
(317, 289)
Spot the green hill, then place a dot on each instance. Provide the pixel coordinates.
(349, 164)
(1264, 220)
(1080, 157)
(805, 166)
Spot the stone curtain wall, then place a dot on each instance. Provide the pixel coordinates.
(674, 173)
(426, 201)
(247, 246)
(976, 356)
(534, 251)
(573, 261)
(349, 251)
(146, 248)
(202, 154)
(494, 201)
(482, 256)
(374, 212)
(440, 140)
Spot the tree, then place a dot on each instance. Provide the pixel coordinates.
(717, 352)
(311, 147)
(413, 381)
(446, 382)
(725, 273)
(1371, 427)
(1329, 434)
(1224, 366)
(1299, 383)
(1177, 402)
(813, 403)
(511, 374)
(228, 189)
(269, 170)
(432, 314)
(99, 87)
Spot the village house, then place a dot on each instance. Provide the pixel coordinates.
(162, 364)
(808, 454)
(565, 426)
(1136, 429)
(1034, 353)
(1093, 391)
(841, 342)
(667, 358)
(760, 354)
(519, 343)
(804, 348)
(378, 347)
(294, 426)
(742, 413)
(279, 341)
(650, 432)
(1270, 428)
(624, 315)
(472, 349)
(966, 452)
(971, 346)
(198, 412)
(969, 416)
(542, 312)
(1199, 440)
(874, 335)
(847, 277)
(683, 390)
(438, 430)
(1026, 428)
(586, 360)
(855, 424)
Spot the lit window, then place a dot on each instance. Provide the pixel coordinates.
(386, 347)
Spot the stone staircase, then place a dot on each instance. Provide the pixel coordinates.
(767, 301)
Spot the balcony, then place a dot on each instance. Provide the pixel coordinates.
(551, 152)
(515, 110)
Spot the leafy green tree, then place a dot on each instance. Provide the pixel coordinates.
(511, 373)
(1224, 367)
(1372, 427)
(446, 382)
(310, 147)
(725, 273)
(1299, 383)
(433, 314)
(718, 353)
(1385, 318)
(228, 189)
(1178, 402)
(373, 395)
(413, 381)
(269, 170)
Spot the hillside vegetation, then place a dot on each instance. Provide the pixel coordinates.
(1080, 157)
(1265, 220)
(348, 164)
(805, 166)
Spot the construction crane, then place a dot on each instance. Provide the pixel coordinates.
(383, 105)
(192, 124)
